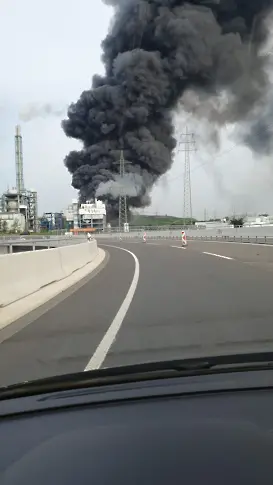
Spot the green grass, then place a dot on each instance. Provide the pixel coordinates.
(142, 220)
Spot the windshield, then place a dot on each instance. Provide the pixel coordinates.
(135, 183)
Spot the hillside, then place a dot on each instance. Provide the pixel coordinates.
(142, 220)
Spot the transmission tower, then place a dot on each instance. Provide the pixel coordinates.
(187, 144)
(123, 216)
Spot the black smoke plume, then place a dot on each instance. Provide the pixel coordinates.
(157, 51)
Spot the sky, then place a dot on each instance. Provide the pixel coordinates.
(49, 53)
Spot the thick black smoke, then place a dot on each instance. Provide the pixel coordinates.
(155, 52)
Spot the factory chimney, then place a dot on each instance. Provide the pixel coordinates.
(19, 160)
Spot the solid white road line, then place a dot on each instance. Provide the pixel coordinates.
(100, 354)
(179, 247)
(136, 242)
(217, 255)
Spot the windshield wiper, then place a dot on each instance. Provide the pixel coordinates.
(140, 372)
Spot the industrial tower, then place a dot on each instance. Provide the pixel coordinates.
(186, 144)
(19, 207)
(19, 161)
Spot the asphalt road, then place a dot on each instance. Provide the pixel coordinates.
(185, 303)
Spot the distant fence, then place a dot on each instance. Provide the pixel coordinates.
(236, 237)
(114, 230)
(170, 231)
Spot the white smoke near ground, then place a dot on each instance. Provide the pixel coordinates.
(130, 184)
(32, 111)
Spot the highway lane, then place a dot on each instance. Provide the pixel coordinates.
(256, 254)
(60, 336)
(186, 304)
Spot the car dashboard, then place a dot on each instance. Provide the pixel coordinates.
(210, 428)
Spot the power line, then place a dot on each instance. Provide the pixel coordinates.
(224, 152)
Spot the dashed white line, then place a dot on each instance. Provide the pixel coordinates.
(179, 247)
(218, 255)
(100, 354)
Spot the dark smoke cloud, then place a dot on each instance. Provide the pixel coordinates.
(257, 130)
(157, 51)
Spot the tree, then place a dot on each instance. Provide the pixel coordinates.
(237, 221)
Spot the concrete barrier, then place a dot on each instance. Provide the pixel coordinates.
(75, 257)
(24, 273)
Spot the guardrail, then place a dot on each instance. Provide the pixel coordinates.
(170, 236)
(114, 230)
(236, 239)
(226, 230)
(31, 244)
(37, 238)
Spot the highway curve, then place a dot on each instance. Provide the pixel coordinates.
(206, 299)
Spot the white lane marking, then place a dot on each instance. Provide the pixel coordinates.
(135, 242)
(217, 255)
(196, 240)
(101, 351)
(179, 247)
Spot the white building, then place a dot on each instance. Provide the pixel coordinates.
(72, 214)
(90, 215)
(212, 224)
(261, 220)
(12, 222)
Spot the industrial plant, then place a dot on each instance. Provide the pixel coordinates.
(87, 217)
(18, 205)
